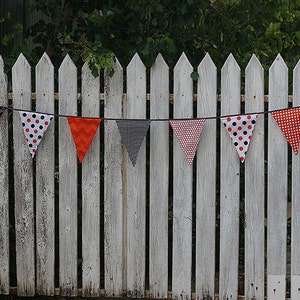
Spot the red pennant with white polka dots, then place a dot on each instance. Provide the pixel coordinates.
(34, 127)
(288, 121)
(240, 129)
(188, 133)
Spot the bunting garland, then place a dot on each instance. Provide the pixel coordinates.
(240, 129)
(289, 122)
(188, 134)
(188, 131)
(34, 126)
(83, 131)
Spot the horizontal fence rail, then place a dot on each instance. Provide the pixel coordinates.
(155, 225)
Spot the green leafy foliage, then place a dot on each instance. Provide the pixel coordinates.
(96, 31)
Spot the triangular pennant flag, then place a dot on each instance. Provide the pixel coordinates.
(133, 133)
(240, 129)
(83, 131)
(288, 121)
(34, 127)
(188, 133)
(2, 110)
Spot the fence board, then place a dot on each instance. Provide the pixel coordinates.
(4, 187)
(67, 85)
(91, 190)
(206, 181)
(254, 177)
(113, 198)
(45, 167)
(159, 179)
(229, 185)
(23, 181)
(182, 186)
(277, 175)
(136, 183)
(295, 222)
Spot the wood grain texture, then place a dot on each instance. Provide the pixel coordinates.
(159, 179)
(45, 167)
(295, 236)
(91, 189)
(23, 181)
(67, 84)
(229, 185)
(277, 175)
(114, 223)
(4, 187)
(182, 186)
(136, 183)
(254, 177)
(206, 181)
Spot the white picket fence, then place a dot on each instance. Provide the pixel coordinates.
(171, 230)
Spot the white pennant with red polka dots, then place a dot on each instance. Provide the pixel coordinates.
(240, 129)
(34, 127)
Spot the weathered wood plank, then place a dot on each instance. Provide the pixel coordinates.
(206, 181)
(136, 183)
(91, 190)
(182, 186)
(229, 185)
(254, 177)
(67, 84)
(159, 179)
(4, 187)
(45, 167)
(295, 236)
(113, 197)
(277, 174)
(23, 181)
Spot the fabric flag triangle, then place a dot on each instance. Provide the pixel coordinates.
(188, 133)
(133, 133)
(240, 129)
(83, 131)
(34, 127)
(288, 121)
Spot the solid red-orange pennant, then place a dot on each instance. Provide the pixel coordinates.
(83, 131)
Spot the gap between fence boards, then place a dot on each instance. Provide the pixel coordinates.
(148, 96)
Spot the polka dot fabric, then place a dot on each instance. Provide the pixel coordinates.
(289, 121)
(188, 133)
(240, 129)
(34, 127)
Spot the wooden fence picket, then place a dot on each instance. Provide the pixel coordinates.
(45, 168)
(254, 177)
(159, 179)
(23, 182)
(277, 184)
(114, 224)
(182, 186)
(136, 183)
(206, 181)
(229, 184)
(68, 260)
(4, 187)
(295, 222)
(91, 190)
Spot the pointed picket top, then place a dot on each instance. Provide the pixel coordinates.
(20, 62)
(278, 64)
(1, 64)
(253, 63)
(160, 61)
(3, 84)
(183, 63)
(67, 63)
(44, 62)
(207, 64)
(296, 84)
(230, 64)
(135, 62)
